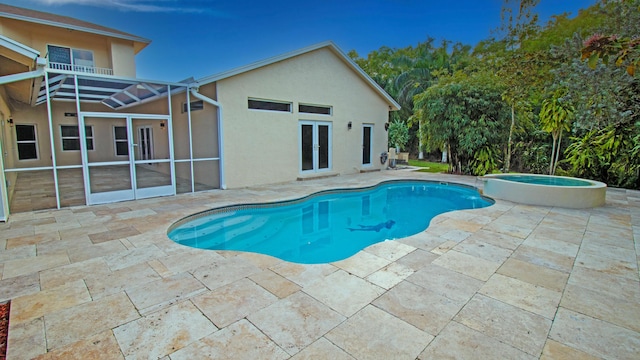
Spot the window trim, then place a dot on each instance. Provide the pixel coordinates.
(116, 140)
(34, 141)
(289, 103)
(328, 107)
(62, 137)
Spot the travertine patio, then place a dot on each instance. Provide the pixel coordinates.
(508, 281)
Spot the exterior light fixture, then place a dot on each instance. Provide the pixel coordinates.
(10, 121)
(162, 125)
(349, 126)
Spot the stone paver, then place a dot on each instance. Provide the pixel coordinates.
(373, 334)
(296, 321)
(508, 281)
(163, 332)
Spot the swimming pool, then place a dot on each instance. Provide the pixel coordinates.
(326, 226)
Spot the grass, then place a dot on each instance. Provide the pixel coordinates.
(427, 166)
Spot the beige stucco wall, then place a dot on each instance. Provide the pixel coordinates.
(116, 54)
(262, 147)
(122, 58)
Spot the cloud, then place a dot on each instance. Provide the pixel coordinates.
(149, 6)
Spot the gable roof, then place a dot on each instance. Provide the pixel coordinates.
(327, 44)
(65, 22)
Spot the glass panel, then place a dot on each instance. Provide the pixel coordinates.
(59, 54)
(70, 144)
(205, 137)
(121, 132)
(323, 143)
(145, 143)
(69, 131)
(33, 190)
(109, 178)
(311, 109)
(366, 145)
(113, 177)
(82, 57)
(307, 146)
(183, 177)
(207, 175)
(153, 175)
(71, 187)
(89, 144)
(27, 151)
(269, 105)
(25, 133)
(122, 148)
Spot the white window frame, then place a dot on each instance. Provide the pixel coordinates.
(116, 141)
(34, 141)
(87, 137)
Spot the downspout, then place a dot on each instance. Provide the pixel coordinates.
(196, 94)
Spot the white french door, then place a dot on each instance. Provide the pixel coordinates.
(145, 142)
(119, 168)
(315, 146)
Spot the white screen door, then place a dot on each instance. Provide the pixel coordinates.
(117, 169)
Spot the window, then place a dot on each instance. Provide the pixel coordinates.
(314, 109)
(121, 140)
(195, 106)
(27, 142)
(70, 135)
(81, 60)
(269, 105)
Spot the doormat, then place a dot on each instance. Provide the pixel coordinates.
(4, 328)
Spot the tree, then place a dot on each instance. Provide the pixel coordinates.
(555, 116)
(465, 112)
(624, 46)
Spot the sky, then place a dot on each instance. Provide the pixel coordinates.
(198, 38)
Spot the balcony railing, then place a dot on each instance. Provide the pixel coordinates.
(81, 68)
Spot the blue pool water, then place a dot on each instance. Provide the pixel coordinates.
(544, 180)
(326, 226)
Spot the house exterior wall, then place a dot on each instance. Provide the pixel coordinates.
(262, 147)
(122, 58)
(116, 54)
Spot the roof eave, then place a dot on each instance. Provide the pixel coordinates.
(77, 28)
(393, 105)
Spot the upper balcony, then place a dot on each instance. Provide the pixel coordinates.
(80, 68)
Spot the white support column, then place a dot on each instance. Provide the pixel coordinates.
(193, 180)
(83, 145)
(170, 135)
(51, 139)
(195, 93)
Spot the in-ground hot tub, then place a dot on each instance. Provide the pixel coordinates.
(545, 190)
